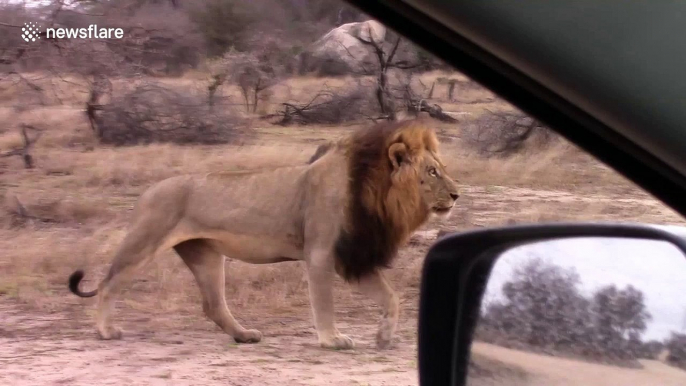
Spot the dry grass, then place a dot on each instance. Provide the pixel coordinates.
(79, 196)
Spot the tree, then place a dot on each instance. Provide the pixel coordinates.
(650, 349)
(387, 55)
(252, 72)
(676, 346)
(224, 24)
(621, 317)
(542, 306)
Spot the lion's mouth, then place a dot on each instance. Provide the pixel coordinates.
(442, 209)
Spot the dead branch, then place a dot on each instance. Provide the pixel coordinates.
(434, 111)
(24, 152)
(23, 216)
(415, 103)
(387, 59)
(382, 95)
(99, 87)
(21, 210)
(29, 83)
(328, 107)
(217, 81)
(365, 70)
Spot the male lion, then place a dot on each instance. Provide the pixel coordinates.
(346, 211)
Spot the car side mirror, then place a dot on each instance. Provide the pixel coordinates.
(550, 289)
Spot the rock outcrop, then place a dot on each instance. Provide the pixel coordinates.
(340, 51)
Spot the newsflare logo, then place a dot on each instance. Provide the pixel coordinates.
(31, 32)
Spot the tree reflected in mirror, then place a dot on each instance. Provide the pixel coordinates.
(583, 311)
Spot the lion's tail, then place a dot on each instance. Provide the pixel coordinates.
(74, 281)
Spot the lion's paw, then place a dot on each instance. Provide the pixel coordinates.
(337, 342)
(384, 340)
(110, 333)
(383, 344)
(248, 336)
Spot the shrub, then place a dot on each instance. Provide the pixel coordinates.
(150, 113)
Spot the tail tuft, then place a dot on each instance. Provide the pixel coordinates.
(74, 281)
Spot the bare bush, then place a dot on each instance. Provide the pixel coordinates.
(50, 211)
(224, 24)
(385, 53)
(12, 47)
(676, 345)
(160, 39)
(330, 106)
(254, 73)
(157, 38)
(233, 24)
(150, 113)
(502, 134)
(396, 56)
(351, 104)
(328, 12)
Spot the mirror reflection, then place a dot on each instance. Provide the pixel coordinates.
(583, 311)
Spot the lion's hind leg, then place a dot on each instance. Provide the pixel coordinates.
(207, 266)
(137, 249)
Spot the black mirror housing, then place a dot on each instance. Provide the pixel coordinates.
(454, 278)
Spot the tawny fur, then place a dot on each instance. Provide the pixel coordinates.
(348, 210)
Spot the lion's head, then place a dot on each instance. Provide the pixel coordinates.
(417, 166)
(397, 180)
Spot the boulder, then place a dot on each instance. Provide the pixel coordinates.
(340, 51)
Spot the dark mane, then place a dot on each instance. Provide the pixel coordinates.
(374, 231)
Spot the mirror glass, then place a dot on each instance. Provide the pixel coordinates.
(583, 311)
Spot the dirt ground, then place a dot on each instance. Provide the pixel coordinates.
(56, 348)
(539, 370)
(59, 346)
(71, 210)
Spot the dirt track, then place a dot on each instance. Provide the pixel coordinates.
(57, 345)
(545, 370)
(60, 349)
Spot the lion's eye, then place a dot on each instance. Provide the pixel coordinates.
(432, 172)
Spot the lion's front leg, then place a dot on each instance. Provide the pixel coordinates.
(377, 288)
(320, 272)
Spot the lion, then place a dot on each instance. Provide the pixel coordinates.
(346, 211)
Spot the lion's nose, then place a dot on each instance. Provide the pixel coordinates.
(454, 196)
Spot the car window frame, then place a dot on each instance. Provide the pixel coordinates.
(605, 143)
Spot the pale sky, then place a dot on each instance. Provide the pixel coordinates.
(657, 268)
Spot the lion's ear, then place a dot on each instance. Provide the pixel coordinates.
(437, 157)
(398, 154)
